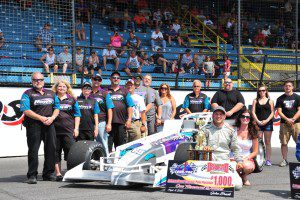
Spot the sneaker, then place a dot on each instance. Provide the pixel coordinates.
(268, 163)
(283, 163)
(49, 178)
(32, 180)
(59, 178)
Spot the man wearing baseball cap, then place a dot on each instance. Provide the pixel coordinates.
(106, 105)
(222, 139)
(138, 124)
(88, 128)
(122, 113)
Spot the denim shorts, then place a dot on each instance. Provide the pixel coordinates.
(267, 127)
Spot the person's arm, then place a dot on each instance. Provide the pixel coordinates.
(253, 112)
(130, 104)
(235, 148)
(195, 60)
(76, 129)
(55, 113)
(109, 107)
(43, 58)
(238, 106)
(96, 119)
(173, 103)
(206, 105)
(254, 152)
(297, 115)
(264, 122)
(138, 42)
(186, 105)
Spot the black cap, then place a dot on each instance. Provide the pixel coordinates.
(138, 75)
(220, 108)
(86, 84)
(97, 76)
(114, 73)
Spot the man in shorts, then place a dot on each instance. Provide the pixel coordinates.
(109, 55)
(288, 107)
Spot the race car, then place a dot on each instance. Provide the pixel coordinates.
(143, 161)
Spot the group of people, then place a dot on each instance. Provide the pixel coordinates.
(116, 115)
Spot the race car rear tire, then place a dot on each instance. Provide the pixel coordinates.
(181, 153)
(85, 151)
(260, 159)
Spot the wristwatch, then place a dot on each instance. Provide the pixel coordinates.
(144, 124)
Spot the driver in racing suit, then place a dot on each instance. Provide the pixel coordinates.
(221, 138)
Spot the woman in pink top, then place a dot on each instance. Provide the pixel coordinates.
(116, 41)
(227, 65)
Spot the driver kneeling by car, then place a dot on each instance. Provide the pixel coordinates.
(221, 138)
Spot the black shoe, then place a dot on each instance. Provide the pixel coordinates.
(32, 180)
(49, 178)
(59, 178)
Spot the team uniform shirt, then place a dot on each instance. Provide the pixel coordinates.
(289, 105)
(139, 106)
(196, 104)
(42, 104)
(228, 99)
(88, 107)
(104, 102)
(122, 100)
(65, 121)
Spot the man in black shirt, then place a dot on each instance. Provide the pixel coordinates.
(40, 107)
(122, 112)
(160, 60)
(288, 106)
(232, 100)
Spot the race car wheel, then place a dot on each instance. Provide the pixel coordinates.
(182, 153)
(260, 159)
(85, 151)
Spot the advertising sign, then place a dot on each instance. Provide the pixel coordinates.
(211, 178)
(295, 180)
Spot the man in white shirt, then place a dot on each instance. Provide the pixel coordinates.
(138, 125)
(208, 22)
(257, 55)
(65, 59)
(157, 38)
(109, 55)
(176, 25)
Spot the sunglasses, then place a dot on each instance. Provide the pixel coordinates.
(38, 80)
(196, 86)
(87, 88)
(164, 88)
(261, 90)
(245, 116)
(97, 79)
(115, 77)
(51, 50)
(227, 82)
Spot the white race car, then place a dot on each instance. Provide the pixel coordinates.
(143, 161)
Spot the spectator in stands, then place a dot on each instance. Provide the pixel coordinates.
(183, 36)
(198, 61)
(79, 61)
(109, 55)
(288, 107)
(122, 113)
(133, 42)
(133, 64)
(147, 60)
(281, 34)
(66, 123)
(65, 59)
(168, 104)
(139, 119)
(263, 113)
(259, 39)
(2, 39)
(168, 15)
(209, 71)
(157, 38)
(89, 109)
(248, 142)
(208, 22)
(186, 62)
(128, 19)
(94, 63)
(176, 25)
(79, 29)
(116, 41)
(196, 101)
(106, 105)
(157, 18)
(115, 19)
(49, 60)
(45, 38)
(232, 100)
(82, 7)
(140, 21)
(171, 34)
(159, 59)
(257, 55)
(226, 67)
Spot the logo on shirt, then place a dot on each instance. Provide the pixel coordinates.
(289, 104)
(65, 106)
(196, 101)
(85, 107)
(99, 100)
(117, 97)
(41, 102)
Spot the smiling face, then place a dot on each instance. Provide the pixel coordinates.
(37, 81)
(288, 88)
(96, 82)
(218, 118)
(197, 87)
(245, 118)
(147, 81)
(86, 91)
(115, 79)
(228, 85)
(61, 89)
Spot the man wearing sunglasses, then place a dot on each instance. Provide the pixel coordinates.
(196, 101)
(40, 107)
(288, 106)
(106, 105)
(231, 99)
(122, 112)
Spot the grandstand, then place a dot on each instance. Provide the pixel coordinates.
(22, 20)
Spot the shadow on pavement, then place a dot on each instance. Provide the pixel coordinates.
(14, 179)
(285, 194)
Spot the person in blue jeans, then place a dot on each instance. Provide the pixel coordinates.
(106, 110)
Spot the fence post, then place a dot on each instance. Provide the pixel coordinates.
(263, 69)
(83, 65)
(297, 44)
(177, 74)
(73, 37)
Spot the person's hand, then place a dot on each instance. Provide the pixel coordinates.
(49, 121)
(290, 121)
(143, 129)
(75, 133)
(108, 128)
(43, 119)
(239, 166)
(206, 148)
(96, 132)
(158, 122)
(229, 113)
(128, 124)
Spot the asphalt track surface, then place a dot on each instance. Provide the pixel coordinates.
(272, 183)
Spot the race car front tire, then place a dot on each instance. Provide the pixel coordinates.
(260, 159)
(85, 151)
